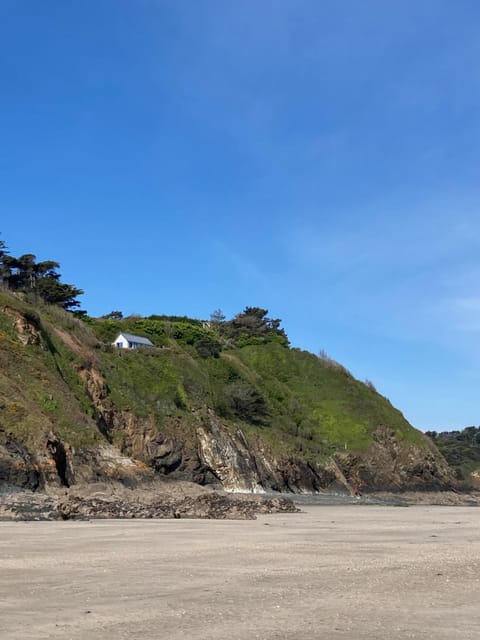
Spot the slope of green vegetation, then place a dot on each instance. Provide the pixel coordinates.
(300, 403)
(243, 369)
(317, 402)
(39, 387)
(461, 449)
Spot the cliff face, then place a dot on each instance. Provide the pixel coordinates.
(72, 411)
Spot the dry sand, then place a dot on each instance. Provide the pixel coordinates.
(331, 572)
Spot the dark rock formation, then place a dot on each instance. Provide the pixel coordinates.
(391, 465)
(214, 455)
(18, 465)
(171, 500)
(208, 505)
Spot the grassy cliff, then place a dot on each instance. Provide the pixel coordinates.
(299, 402)
(302, 407)
(39, 385)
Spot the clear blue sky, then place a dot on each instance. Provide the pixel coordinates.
(319, 159)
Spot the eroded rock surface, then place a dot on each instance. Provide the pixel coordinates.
(390, 464)
(173, 500)
(27, 326)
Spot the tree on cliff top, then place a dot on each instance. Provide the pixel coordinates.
(40, 278)
(252, 326)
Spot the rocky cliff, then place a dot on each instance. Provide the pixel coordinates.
(257, 417)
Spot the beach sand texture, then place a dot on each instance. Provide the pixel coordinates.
(330, 572)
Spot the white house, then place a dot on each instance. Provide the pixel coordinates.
(129, 341)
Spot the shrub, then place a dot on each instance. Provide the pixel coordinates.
(244, 402)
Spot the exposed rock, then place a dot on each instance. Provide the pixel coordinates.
(475, 478)
(443, 498)
(208, 505)
(141, 438)
(214, 453)
(58, 463)
(97, 391)
(26, 325)
(228, 457)
(157, 502)
(390, 464)
(28, 505)
(206, 451)
(107, 463)
(18, 466)
(301, 477)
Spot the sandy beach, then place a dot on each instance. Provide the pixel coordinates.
(330, 572)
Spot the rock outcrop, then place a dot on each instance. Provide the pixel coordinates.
(391, 465)
(153, 500)
(212, 454)
(18, 466)
(27, 326)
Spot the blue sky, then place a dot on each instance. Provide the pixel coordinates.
(319, 159)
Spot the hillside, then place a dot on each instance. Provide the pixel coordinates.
(461, 449)
(226, 402)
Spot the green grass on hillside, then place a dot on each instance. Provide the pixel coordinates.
(299, 404)
(40, 390)
(317, 401)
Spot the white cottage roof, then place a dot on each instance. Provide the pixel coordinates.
(138, 339)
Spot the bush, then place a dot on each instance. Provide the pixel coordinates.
(244, 402)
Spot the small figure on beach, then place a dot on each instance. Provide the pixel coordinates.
(356, 492)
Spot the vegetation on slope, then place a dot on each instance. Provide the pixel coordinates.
(461, 449)
(302, 404)
(41, 280)
(39, 386)
(243, 369)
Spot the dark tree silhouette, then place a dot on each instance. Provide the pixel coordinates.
(40, 278)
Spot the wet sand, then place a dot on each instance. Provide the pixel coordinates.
(331, 572)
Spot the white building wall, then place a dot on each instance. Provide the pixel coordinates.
(121, 342)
